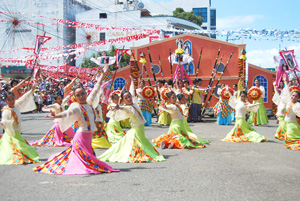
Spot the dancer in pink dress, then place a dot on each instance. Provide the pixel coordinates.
(79, 158)
(55, 137)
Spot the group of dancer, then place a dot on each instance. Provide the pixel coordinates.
(82, 128)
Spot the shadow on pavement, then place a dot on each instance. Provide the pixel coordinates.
(138, 168)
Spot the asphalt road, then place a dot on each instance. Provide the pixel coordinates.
(221, 171)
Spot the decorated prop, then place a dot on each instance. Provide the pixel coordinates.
(164, 94)
(115, 72)
(220, 77)
(294, 88)
(118, 92)
(115, 92)
(287, 64)
(254, 93)
(171, 65)
(212, 74)
(242, 69)
(289, 59)
(40, 40)
(199, 63)
(180, 58)
(153, 73)
(161, 69)
(143, 61)
(105, 60)
(148, 92)
(225, 93)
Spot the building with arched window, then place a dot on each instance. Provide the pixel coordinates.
(263, 82)
(119, 82)
(266, 78)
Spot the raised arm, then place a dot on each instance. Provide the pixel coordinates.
(94, 96)
(67, 89)
(132, 90)
(26, 102)
(16, 88)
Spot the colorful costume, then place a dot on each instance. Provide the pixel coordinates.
(292, 137)
(164, 118)
(223, 110)
(54, 137)
(185, 110)
(177, 135)
(260, 117)
(134, 147)
(145, 105)
(125, 123)
(242, 131)
(79, 158)
(113, 128)
(14, 149)
(280, 103)
(100, 139)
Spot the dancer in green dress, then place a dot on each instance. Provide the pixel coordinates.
(177, 137)
(185, 109)
(280, 102)
(134, 147)
(242, 131)
(260, 116)
(14, 149)
(113, 128)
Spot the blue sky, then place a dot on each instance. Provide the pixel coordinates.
(254, 14)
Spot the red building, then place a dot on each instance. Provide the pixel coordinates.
(234, 70)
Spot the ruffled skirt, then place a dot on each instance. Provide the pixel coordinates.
(191, 134)
(223, 111)
(292, 140)
(125, 123)
(100, 140)
(224, 121)
(164, 118)
(134, 147)
(114, 131)
(77, 159)
(260, 117)
(178, 137)
(148, 118)
(55, 137)
(243, 132)
(281, 130)
(16, 150)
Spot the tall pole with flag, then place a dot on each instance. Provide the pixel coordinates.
(40, 40)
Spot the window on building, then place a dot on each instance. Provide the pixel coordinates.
(213, 35)
(263, 82)
(102, 36)
(119, 82)
(190, 68)
(102, 15)
(212, 17)
(201, 12)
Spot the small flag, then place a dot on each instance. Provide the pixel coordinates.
(40, 40)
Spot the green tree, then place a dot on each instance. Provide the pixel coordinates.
(190, 16)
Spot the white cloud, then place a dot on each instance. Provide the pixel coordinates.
(264, 58)
(237, 21)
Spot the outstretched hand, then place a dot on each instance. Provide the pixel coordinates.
(51, 116)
